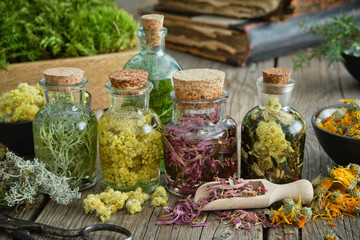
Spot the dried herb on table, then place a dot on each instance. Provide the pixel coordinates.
(188, 211)
(109, 201)
(330, 236)
(239, 218)
(21, 182)
(337, 195)
(159, 197)
(244, 220)
(290, 213)
(345, 121)
(184, 211)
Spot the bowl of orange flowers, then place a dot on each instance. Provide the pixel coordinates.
(337, 129)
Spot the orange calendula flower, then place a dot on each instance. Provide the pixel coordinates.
(344, 176)
(338, 195)
(345, 121)
(290, 213)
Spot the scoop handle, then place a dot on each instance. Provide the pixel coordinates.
(295, 189)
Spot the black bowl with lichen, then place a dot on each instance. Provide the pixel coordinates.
(341, 149)
(18, 136)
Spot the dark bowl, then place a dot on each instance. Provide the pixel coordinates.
(18, 136)
(343, 150)
(352, 64)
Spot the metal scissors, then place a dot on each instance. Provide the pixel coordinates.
(11, 224)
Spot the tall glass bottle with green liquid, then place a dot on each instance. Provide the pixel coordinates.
(160, 65)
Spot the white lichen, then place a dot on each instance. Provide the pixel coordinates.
(23, 180)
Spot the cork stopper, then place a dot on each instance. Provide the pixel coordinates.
(129, 78)
(152, 22)
(63, 76)
(276, 75)
(198, 84)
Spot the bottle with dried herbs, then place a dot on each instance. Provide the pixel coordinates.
(130, 134)
(154, 59)
(65, 129)
(200, 140)
(273, 133)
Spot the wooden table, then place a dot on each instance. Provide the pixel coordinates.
(316, 86)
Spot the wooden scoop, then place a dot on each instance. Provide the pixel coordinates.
(275, 192)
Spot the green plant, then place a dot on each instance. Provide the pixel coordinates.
(339, 34)
(33, 30)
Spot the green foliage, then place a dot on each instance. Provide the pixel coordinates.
(33, 30)
(159, 99)
(338, 35)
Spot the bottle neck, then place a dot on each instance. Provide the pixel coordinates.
(64, 98)
(274, 97)
(138, 102)
(152, 42)
(135, 99)
(199, 112)
(64, 95)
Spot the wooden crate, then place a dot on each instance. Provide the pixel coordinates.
(96, 70)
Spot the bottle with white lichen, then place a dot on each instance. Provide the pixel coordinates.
(273, 133)
(65, 129)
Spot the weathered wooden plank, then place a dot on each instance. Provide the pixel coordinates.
(284, 232)
(227, 233)
(352, 226)
(29, 213)
(318, 229)
(154, 231)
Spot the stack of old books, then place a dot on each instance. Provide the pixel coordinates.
(243, 31)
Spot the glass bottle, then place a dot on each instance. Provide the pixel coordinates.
(200, 141)
(65, 129)
(130, 134)
(273, 133)
(160, 65)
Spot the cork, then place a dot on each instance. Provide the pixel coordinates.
(129, 78)
(276, 75)
(63, 76)
(198, 84)
(152, 22)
